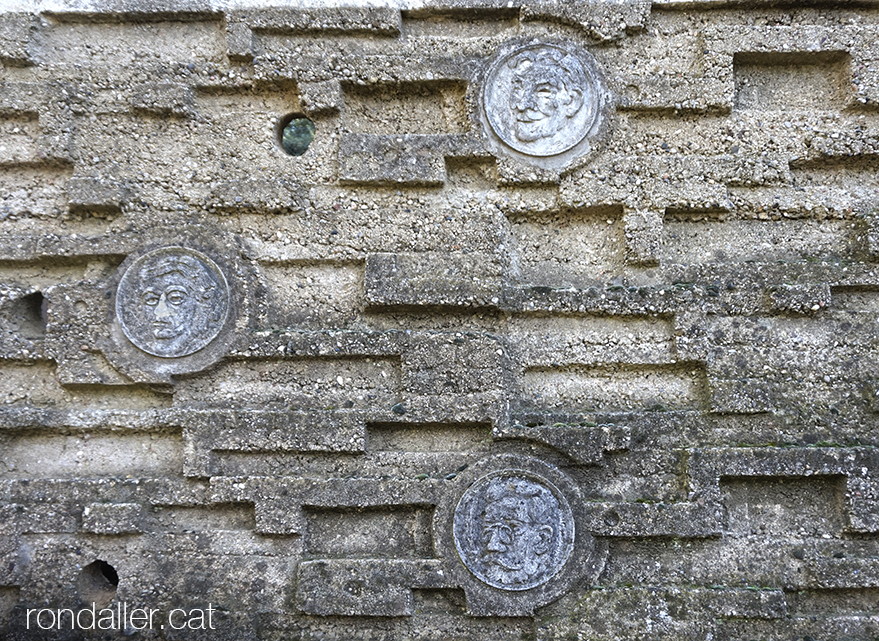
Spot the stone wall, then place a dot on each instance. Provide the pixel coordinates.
(563, 326)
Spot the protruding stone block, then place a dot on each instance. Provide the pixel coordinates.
(586, 445)
(865, 81)
(800, 299)
(873, 236)
(742, 396)
(36, 518)
(279, 516)
(264, 196)
(691, 336)
(367, 587)
(164, 99)
(239, 42)
(685, 520)
(320, 98)
(112, 518)
(434, 279)
(603, 21)
(265, 431)
(96, 195)
(16, 39)
(456, 364)
(378, 21)
(862, 494)
(391, 160)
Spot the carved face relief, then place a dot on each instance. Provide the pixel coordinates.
(541, 100)
(172, 302)
(513, 530)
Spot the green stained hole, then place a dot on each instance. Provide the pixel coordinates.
(296, 135)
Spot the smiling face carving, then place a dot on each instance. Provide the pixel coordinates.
(172, 302)
(547, 92)
(542, 99)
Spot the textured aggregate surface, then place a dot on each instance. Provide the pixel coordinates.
(648, 363)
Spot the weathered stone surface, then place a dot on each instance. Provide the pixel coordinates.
(586, 445)
(260, 431)
(364, 587)
(643, 237)
(603, 21)
(381, 21)
(411, 159)
(17, 32)
(564, 324)
(111, 518)
(262, 196)
(239, 41)
(163, 99)
(96, 195)
(465, 280)
(322, 97)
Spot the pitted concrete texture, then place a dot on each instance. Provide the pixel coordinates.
(562, 324)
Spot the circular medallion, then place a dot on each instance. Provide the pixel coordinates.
(172, 302)
(513, 530)
(542, 99)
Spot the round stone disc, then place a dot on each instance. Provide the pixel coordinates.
(513, 530)
(172, 302)
(542, 99)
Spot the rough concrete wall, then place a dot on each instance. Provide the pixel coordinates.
(448, 374)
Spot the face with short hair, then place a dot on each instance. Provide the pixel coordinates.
(513, 543)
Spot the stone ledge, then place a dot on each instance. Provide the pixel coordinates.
(112, 518)
(586, 445)
(164, 99)
(265, 431)
(16, 38)
(433, 279)
(97, 195)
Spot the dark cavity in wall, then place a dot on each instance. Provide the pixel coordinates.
(29, 314)
(97, 583)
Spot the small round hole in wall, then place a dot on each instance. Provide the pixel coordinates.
(97, 583)
(295, 134)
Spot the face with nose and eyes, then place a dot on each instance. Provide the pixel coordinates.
(544, 98)
(170, 306)
(172, 302)
(515, 546)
